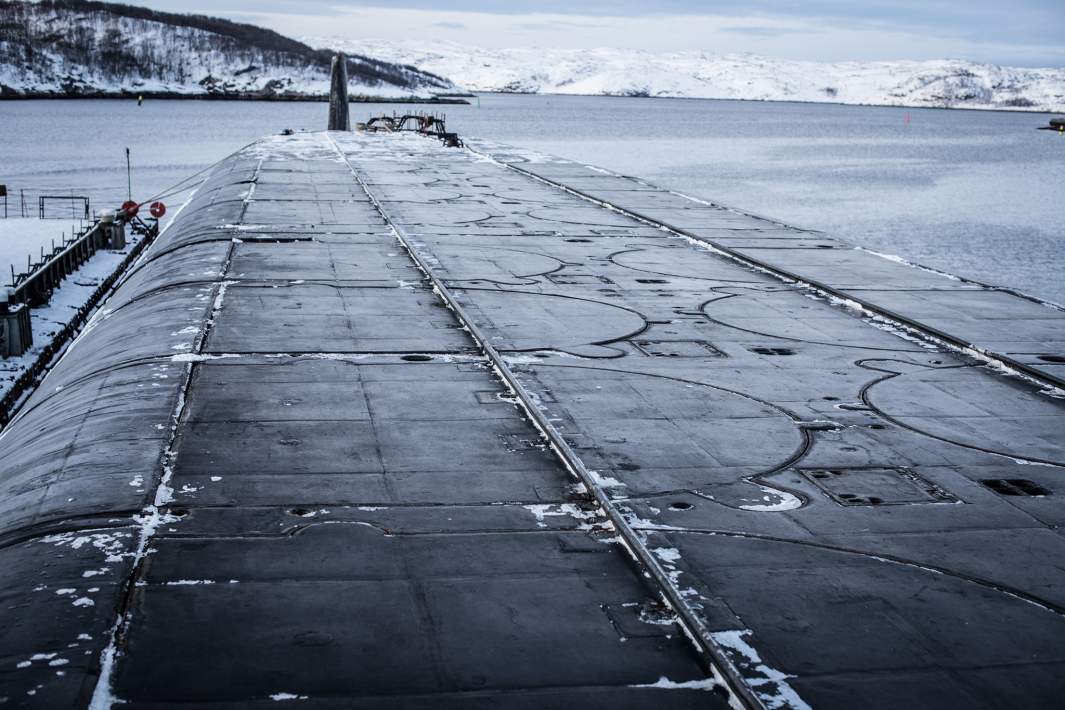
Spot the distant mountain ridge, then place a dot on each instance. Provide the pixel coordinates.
(85, 48)
(616, 72)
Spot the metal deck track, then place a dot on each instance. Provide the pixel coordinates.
(377, 423)
(649, 565)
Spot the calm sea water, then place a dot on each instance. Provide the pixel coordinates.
(980, 194)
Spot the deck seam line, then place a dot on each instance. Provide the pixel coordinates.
(849, 301)
(103, 693)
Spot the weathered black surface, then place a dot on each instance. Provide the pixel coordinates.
(277, 463)
(338, 94)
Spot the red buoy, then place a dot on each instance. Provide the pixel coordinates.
(158, 209)
(130, 208)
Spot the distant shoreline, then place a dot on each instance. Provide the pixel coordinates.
(450, 99)
(461, 99)
(1018, 109)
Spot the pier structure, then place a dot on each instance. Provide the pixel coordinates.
(380, 423)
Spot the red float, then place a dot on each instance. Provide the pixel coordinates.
(158, 209)
(130, 208)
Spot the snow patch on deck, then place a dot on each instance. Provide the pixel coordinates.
(769, 684)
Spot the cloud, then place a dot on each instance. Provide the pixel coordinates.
(755, 31)
(557, 25)
(449, 25)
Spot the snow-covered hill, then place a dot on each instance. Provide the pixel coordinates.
(80, 48)
(941, 83)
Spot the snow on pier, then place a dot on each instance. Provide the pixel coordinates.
(379, 423)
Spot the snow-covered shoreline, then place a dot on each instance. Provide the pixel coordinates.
(947, 83)
(126, 95)
(991, 109)
(89, 50)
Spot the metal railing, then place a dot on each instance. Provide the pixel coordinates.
(79, 206)
(427, 124)
(40, 283)
(50, 203)
(35, 285)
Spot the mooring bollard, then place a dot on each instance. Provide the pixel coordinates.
(339, 119)
(16, 333)
(114, 231)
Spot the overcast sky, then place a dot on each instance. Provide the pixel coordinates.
(1020, 32)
